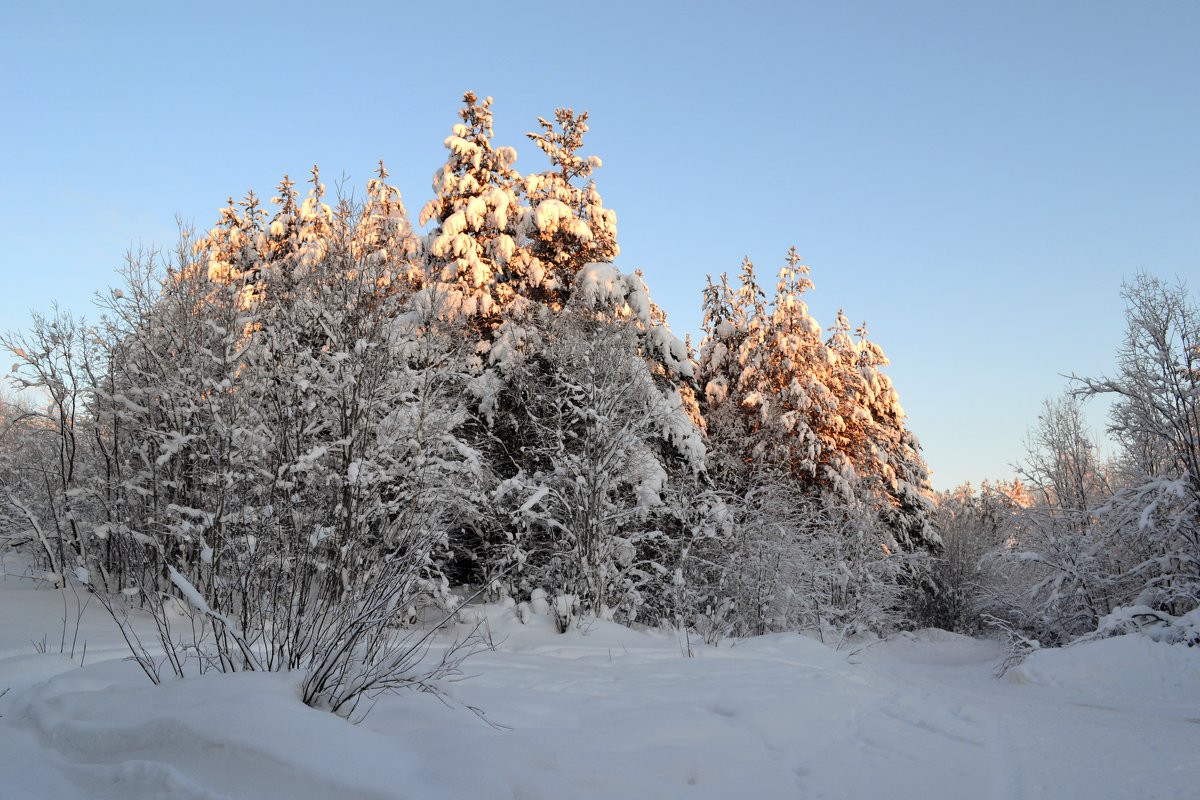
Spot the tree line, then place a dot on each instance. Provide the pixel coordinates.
(312, 425)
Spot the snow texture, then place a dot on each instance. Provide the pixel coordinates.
(607, 712)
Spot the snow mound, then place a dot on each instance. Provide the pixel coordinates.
(1131, 670)
(220, 736)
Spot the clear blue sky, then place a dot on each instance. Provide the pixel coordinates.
(974, 179)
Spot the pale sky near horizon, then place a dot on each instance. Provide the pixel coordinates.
(974, 179)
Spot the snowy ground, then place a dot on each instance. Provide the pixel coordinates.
(611, 714)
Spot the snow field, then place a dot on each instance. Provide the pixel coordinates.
(609, 713)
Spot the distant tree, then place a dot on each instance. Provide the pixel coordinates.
(1062, 566)
(972, 524)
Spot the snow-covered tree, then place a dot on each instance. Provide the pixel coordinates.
(476, 249)
(796, 398)
(570, 225)
(383, 233)
(526, 261)
(780, 395)
(887, 454)
(808, 442)
(1156, 420)
(1062, 564)
(596, 422)
(1111, 546)
(729, 422)
(48, 492)
(271, 429)
(585, 497)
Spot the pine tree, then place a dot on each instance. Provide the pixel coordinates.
(782, 365)
(728, 422)
(733, 361)
(797, 374)
(384, 234)
(522, 278)
(571, 227)
(889, 454)
(475, 251)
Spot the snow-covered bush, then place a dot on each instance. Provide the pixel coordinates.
(267, 427)
(787, 563)
(1102, 546)
(1154, 623)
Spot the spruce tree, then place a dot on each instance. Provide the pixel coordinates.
(729, 424)
(889, 453)
(571, 227)
(475, 249)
